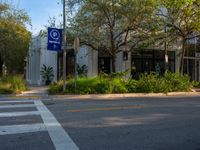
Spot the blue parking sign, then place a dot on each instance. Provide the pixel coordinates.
(54, 39)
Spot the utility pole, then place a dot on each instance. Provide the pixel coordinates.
(64, 45)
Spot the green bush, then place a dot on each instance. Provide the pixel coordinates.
(131, 86)
(83, 85)
(147, 83)
(56, 87)
(104, 86)
(177, 82)
(196, 84)
(119, 85)
(12, 84)
(5, 88)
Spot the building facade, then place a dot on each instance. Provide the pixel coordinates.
(37, 57)
(144, 60)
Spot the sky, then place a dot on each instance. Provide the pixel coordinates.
(39, 11)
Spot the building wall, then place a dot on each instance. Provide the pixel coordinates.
(82, 56)
(48, 58)
(88, 57)
(92, 63)
(123, 65)
(39, 55)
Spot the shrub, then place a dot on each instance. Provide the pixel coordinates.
(103, 86)
(147, 83)
(56, 87)
(5, 88)
(131, 86)
(196, 84)
(177, 82)
(83, 85)
(119, 85)
(12, 84)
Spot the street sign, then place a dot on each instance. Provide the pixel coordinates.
(54, 39)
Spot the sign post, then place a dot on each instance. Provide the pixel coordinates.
(64, 45)
(54, 39)
(76, 48)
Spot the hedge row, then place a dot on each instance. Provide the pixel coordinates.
(147, 83)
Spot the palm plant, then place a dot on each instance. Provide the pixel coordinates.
(47, 74)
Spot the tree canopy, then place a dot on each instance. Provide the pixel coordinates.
(14, 37)
(113, 26)
(116, 25)
(182, 19)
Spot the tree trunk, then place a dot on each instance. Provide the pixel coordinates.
(113, 59)
(182, 56)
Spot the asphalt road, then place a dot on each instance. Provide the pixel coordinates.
(165, 123)
(131, 124)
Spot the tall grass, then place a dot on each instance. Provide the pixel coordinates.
(12, 84)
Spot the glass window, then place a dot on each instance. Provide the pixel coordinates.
(159, 54)
(171, 55)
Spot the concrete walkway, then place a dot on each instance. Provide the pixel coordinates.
(36, 91)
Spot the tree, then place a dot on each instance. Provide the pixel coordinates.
(112, 26)
(182, 18)
(14, 37)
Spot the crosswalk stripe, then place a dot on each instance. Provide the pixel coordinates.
(59, 137)
(17, 114)
(17, 98)
(19, 101)
(17, 106)
(18, 129)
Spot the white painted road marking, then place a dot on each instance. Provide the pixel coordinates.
(19, 101)
(17, 98)
(17, 106)
(17, 129)
(17, 114)
(59, 137)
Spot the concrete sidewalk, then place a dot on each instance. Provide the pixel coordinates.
(36, 91)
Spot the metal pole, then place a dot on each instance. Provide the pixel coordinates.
(75, 69)
(64, 45)
(76, 49)
(165, 48)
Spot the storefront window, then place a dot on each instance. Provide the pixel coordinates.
(152, 60)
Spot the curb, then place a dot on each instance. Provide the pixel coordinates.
(102, 96)
(129, 95)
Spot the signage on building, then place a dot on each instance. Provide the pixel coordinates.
(54, 39)
(197, 54)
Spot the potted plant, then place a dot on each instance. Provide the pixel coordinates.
(82, 70)
(47, 74)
